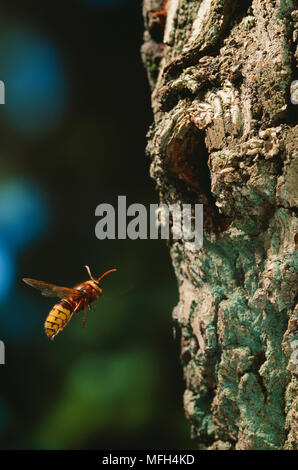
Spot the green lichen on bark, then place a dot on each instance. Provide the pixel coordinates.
(224, 135)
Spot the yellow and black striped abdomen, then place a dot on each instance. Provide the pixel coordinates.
(58, 317)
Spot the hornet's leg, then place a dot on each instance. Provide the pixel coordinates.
(79, 306)
(96, 303)
(84, 317)
(65, 325)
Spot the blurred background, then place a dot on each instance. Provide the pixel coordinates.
(72, 136)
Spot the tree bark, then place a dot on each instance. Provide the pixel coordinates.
(224, 135)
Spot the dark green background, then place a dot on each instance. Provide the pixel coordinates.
(118, 383)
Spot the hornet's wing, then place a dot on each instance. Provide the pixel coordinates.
(51, 290)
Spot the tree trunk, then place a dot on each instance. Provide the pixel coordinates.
(224, 135)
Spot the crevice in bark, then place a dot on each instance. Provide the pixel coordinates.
(259, 360)
(239, 275)
(189, 161)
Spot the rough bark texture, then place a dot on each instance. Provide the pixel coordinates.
(225, 135)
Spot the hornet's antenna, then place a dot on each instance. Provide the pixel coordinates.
(107, 272)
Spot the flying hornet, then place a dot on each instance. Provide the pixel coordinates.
(73, 300)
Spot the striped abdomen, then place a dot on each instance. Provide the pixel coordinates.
(59, 316)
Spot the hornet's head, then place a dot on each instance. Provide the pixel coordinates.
(97, 281)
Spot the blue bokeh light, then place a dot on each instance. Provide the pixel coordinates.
(35, 83)
(24, 213)
(7, 270)
(24, 217)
